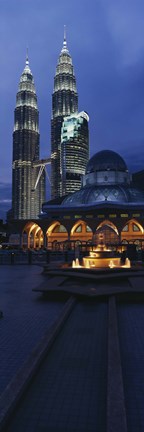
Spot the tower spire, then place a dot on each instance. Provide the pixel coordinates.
(64, 41)
(27, 58)
(64, 33)
(27, 66)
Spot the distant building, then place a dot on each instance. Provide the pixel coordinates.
(64, 103)
(26, 200)
(74, 151)
(3, 232)
(138, 179)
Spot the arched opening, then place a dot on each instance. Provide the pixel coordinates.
(56, 235)
(81, 232)
(132, 232)
(106, 233)
(124, 241)
(32, 236)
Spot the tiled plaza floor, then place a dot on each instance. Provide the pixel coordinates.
(69, 391)
(26, 317)
(131, 331)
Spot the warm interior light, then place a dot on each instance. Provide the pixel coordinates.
(101, 257)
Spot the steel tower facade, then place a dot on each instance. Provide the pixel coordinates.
(26, 201)
(64, 103)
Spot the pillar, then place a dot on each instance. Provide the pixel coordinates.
(28, 241)
(45, 240)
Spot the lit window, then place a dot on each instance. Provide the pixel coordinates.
(59, 229)
(135, 227)
(79, 229)
(136, 214)
(88, 229)
(124, 215)
(89, 216)
(125, 228)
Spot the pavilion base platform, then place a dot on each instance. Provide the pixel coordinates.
(88, 282)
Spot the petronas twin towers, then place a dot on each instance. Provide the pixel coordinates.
(28, 194)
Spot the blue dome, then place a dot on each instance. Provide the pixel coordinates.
(93, 194)
(106, 160)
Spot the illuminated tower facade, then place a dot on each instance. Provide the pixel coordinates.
(26, 200)
(74, 151)
(64, 103)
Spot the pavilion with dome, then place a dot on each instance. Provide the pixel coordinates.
(107, 206)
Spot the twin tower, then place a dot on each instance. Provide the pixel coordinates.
(69, 141)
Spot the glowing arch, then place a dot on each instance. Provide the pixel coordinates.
(106, 232)
(107, 223)
(81, 231)
(134, 222)
(32, 236)
(132, 231)
(53, 226)
(56, 233)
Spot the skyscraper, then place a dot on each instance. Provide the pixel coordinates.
(26, 200)
(64, 103)
(74, 151)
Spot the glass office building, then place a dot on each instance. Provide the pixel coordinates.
(74, 151)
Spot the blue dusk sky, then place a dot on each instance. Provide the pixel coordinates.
(106, 41)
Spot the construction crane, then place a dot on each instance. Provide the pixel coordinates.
(42, 164)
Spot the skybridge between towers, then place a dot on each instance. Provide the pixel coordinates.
(41, 164)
